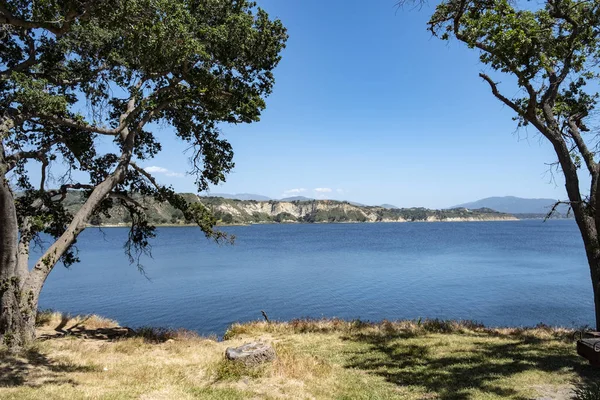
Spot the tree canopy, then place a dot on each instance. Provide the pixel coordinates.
(92, 86)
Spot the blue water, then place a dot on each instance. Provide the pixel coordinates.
(499, 273)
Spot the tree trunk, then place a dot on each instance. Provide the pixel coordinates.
(596, 283)
(593, 255)
(16, 326)
(591, 242)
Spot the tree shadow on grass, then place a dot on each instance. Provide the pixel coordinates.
(452, 373)
(107, 334)
(79, 329)
(34, 369)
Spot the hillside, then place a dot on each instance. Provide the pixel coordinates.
(232, 211)
(516, 205)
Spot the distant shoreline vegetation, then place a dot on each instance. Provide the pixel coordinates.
(247, 212)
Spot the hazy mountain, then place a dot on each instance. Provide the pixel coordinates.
(296, 198)
(240, 196)
(356, 204)
(390, 206)
(515, 205)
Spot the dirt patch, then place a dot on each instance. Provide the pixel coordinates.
(550, 392)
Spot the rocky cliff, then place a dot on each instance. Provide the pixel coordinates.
(230, 211)
(236, 211)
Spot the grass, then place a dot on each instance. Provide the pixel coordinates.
(93, 358)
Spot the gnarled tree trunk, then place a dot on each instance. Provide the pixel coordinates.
(16, 324)
(20, 287)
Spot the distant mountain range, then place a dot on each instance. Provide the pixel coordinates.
(515, 205)
(296, 198)
(240, 196)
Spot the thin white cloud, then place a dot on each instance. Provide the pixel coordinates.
(154, 170)
(294, 191)
(323, 190)
(160, 170)
(340, 191)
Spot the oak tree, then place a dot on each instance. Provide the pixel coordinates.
(91, 86)
(550, 51)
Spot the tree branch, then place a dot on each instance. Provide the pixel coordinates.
(553, 210)
(131, 113)
(78, 125)
(587, 155)
(25, 64)
(6, 17)
(48, 260)
(127, 199)
(499, 96)
(146, 174)
(43, 173)
(39, 154)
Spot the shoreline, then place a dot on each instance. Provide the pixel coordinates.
(327, 223)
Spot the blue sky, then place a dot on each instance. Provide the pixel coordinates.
(369, 107)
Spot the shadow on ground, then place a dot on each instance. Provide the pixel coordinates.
(451, 373)
(80, 330)
(32, 368)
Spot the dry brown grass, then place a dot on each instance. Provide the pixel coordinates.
(328, 359)
(405, 327)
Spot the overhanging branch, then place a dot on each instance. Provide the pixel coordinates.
(146, 174)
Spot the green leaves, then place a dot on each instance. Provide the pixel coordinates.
(74, 70)
(551, 50)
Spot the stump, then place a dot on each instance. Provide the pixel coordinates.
(251, 354)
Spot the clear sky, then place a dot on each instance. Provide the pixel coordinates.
(369, 107)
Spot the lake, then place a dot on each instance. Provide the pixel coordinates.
(498, 273)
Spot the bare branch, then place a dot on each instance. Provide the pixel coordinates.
(62, 191)
(146, 174)
(495, 92)
(558, 203)
(39, 154)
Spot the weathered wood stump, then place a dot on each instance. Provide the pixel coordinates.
(251, 354)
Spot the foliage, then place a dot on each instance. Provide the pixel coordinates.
(285, 217)
(92, 85)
